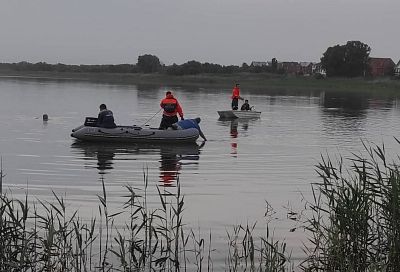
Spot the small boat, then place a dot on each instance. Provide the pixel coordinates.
(233, 114)
(132, 134)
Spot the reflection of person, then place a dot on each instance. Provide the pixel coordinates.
(105, 118)
(190, 123)
(104, 160)
(236, 96)
(234, 135)
(169, 168)
(245, 106)
(91, 151)
(174, 158)
(171, 108)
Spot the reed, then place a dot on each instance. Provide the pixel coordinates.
(44, 236)
(2, 175)
(355, 222)
(245, 255)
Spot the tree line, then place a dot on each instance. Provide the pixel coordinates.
(349, 60)
(146, 64)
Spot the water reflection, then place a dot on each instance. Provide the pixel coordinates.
(172, 157)
(234, 131)
(234, 134)
(346, 104)
(103, 153)
(345, 113)
(172, 160)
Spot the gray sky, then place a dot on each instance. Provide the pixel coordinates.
(218, 31)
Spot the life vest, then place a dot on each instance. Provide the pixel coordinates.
(235, 93)
(171, 106)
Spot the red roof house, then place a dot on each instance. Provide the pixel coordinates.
(290, 67)
(381, 66)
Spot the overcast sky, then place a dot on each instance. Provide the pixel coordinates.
(218, 31)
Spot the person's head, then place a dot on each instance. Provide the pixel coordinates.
(197, 120)
(168, 93)
(246, 101)
(103, 107)
(237, 85)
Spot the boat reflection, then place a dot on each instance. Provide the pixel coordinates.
(104, 154)
(172, 157)
(172, 160)
(234, 130)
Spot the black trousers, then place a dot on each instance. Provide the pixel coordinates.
(235, 103)
(167, 121)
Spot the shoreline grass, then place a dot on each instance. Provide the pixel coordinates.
(352, 223)
(263, 82)
(44, 236)
(355, 224)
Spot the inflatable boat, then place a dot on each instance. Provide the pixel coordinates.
(133, 134)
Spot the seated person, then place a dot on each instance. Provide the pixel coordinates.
(105, 118)
(245, 106)
(190, 123)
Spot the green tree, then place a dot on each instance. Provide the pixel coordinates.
(192, 67)
(274, 65)
(148, 64)
(333, 61)
(350, 60)
(245, 67)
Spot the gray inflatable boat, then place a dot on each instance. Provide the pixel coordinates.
(133, 134)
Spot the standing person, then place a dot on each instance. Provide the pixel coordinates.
(190, 123)
(105, 118)
(171, 108)
(236, 96)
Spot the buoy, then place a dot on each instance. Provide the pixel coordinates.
(45, 117)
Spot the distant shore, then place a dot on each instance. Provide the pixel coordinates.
(254, 81)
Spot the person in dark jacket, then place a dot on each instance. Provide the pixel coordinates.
(171, 108)
(105, 118)
(245, 106)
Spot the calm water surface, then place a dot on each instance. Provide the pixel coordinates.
(226, 180)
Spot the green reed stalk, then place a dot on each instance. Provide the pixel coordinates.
(198, 249)
(49, 239)
(2, 175)
(355, 225)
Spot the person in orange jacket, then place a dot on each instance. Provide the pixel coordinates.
(171, 108)
(236, 96)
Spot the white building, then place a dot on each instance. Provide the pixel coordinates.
(397, 69)
(259, 63)
(317, 69)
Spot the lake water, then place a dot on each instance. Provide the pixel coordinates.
(226, 181)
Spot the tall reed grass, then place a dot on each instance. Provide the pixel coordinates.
(355, 222)
(2, 175)
(44, 236)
